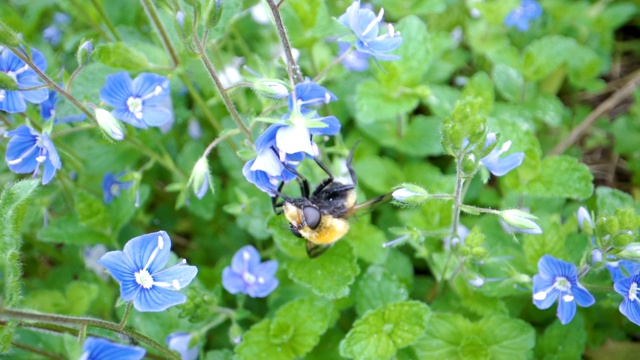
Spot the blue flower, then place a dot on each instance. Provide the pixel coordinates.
(558, 280)
(101, 349)
(364, 24)
(500, 166)
(52, 34)
(630, 306)
(520, 16)
(248, 276)
(111, 186)
(48, 107)
(28, 149)
(141, 102)
(622, 269)
(179, 341)
(138, 270)
(25, 77)
(355, 60)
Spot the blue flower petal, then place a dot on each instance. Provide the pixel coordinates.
(355, 60)
(294, 139)
(260, 290)
(117, 90)
(333, 126)
(385, 45)
(155, 116)
(119, 266)
(22, 151)
(179, 342)
(268, 138)
(500, 167)
(157, 299)
(259, 178)
(566, 310)
(245, 259)
(233, 282)
(126, 116)
(52, 153)
(181, 273)
(552, 267)
(101, 349)
(541, 284)
(146, 84)
(12, 102)
(582, 296)
(33, 96)
(267, 268)
(141, 248)
(631, 309)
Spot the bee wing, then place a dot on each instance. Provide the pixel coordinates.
(369, 205)
(315, 250)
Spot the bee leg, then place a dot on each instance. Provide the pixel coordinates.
(274, 200)
(294, 230)
(324, 182)
(314, 250)
(304, 184)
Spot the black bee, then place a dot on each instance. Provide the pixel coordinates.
(321, 217)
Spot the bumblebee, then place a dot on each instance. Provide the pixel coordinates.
(321, 217)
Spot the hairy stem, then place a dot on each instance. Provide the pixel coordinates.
(295, 76)
(152, 13)
(83, 321)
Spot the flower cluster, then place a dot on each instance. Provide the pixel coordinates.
(283, 145)
(138, 269)
(365, 25)
(248, 275)
(520, 16)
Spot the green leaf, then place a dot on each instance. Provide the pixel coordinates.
(91, 212)
(609, 200)
(68, 230)
(12, 210)
(375, 103)
(380, 333)
(366, 240)
(508, 81)
(121, 56)
(451, 336)
(370, 168)
(420, 137)
(285, 240)
(553, 343)
(561, 177)
(541, 57)
(224, 354)
(311, 21)
(329, 275)
(295, 329)
(584, 64)
(536, 246)
(377, 287)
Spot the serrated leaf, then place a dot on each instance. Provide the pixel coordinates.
(451, 336)
(609, 200)
(541, 57)
(295, 329)
(377, 287)
(508, 81)
(329, 275)
(563, 177)
(120, 56)
(553, 343)
(380, 333)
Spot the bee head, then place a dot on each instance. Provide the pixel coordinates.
(303, 215)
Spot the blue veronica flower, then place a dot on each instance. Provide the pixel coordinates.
(500, 166)
(111, 186)
(558, 280)
(355, 60)
(52, 34)
(630, 306)
(25, 77)
(28, 149)
(179, 341)
(101, 349)
(48, 107)
(138, 270)
(622, 269)
(248, 275)
(520, 16)
(141, 102)
(365, 25)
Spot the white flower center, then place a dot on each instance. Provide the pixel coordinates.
(115, 189)
(144, 278)
(134, 104)
(562, 284)
(249, 278)
(633, 291)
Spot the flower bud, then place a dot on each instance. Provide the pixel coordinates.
(184, 24)
(271, 88)
(7, 82)
(631, 251)
(200, 179)
(584, 220)
(409, 195)
(235, 333)
(84, 53)
(109, 125)
(213, 13)
(7, 36)
(520, 221)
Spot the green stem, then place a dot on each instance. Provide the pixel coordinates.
(152, 13)
(215, 142)
(125, 316)
(73, 130)
(36, 350)
(53, 84)
(295, 76)
(441, 196)
(475, 209)
(167, 163)
(216, 80)
(96, 26)
(455, 221)
(200, 101)
(106, 20)
(83, 321)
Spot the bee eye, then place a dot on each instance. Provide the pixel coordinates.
(311, 216)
